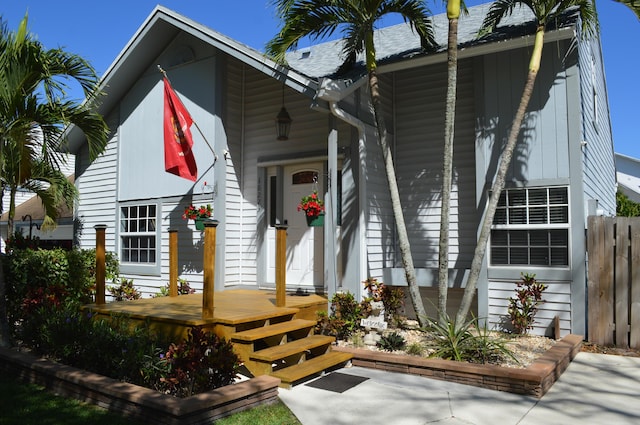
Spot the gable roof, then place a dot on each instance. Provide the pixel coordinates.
(396, 46)
(151, 39)
(398, 43)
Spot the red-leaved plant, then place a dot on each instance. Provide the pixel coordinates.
(311, 205)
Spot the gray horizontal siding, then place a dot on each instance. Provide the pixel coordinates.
(557, 302)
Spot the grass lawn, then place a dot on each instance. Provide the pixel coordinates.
(26, 404)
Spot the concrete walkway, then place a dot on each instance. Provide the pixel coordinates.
(595, 389)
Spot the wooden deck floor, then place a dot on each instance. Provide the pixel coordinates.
(233, 310)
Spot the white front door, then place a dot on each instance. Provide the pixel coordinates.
(305, 257)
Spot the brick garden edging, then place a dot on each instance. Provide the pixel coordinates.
(132, 401)
(534, 380)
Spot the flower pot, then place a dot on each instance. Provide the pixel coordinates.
(315, 221)
(200, 223)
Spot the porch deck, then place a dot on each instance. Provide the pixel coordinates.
(234, 310)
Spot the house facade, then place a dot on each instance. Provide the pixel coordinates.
(563, 165)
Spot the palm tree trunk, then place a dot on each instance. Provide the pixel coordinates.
(499, 182)
(447, 168)
(403, 238)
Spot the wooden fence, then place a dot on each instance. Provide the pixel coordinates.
(614, 281)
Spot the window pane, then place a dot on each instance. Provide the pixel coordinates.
(499, 256)
(537, 196)
(559, 256)
(539, 238)
(559, 237)
(499, 237)
(558, 195)
(519, 256)
(518, 238)
(500, 217)
(502, 200)
(538, 215)
(517, 216)
(517, 198)
(539, 256)
(559, 214)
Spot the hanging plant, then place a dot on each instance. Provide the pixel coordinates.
(311, 205)
(193, 213)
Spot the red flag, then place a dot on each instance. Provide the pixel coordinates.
(178, 156)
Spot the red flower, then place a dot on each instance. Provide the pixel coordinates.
(311, 205)
(203, 211)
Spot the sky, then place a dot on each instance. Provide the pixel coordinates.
(99, 31)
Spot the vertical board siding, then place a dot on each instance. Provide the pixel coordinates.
(614, 281)
(542, 150)
(419, 140)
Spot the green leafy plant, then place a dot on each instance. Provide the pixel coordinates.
(524, 306)
(183, 289)
(124, 291)
(625, 207)
(415, 349)
(392, 342)
(466, 342)
(392, 299)
(344, 317)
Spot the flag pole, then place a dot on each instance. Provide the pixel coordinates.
(215, 156)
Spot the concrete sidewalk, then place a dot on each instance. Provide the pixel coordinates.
(595, 389)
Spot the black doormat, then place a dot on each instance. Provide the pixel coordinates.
(337, 382)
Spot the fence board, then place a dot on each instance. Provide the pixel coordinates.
(621, 285)
(614, 281)
(634, 337)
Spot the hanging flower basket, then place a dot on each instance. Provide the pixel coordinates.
(200, 223)
(315, 221)
(198, 214)
(313, 208)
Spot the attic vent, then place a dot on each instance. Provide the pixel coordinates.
(304, 54)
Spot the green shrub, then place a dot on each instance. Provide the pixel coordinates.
(56, 276)
(344, 318)
(125, 291)
(183, 289)
(415, 349)
(392, 299)
(468, 342)
(524, 306)
(392, 342)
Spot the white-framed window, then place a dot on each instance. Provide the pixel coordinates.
(531, 227)
(139, 250)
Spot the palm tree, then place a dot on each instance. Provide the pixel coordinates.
(356, 19)
(545, 11)
(34, 114)
(634, 5)
(453, 14)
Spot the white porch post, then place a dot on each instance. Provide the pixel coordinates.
(331, 212)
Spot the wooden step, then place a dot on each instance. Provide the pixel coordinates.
(282, 351)
(256, 334)
(292, 374)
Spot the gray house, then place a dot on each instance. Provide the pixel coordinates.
(563, 169)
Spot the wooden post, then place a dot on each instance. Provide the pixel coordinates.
(281, 264)
(100, 263)
(173, 263)
(209, 268)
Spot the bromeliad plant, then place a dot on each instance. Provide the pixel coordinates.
(311, 205)
(192, 212)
